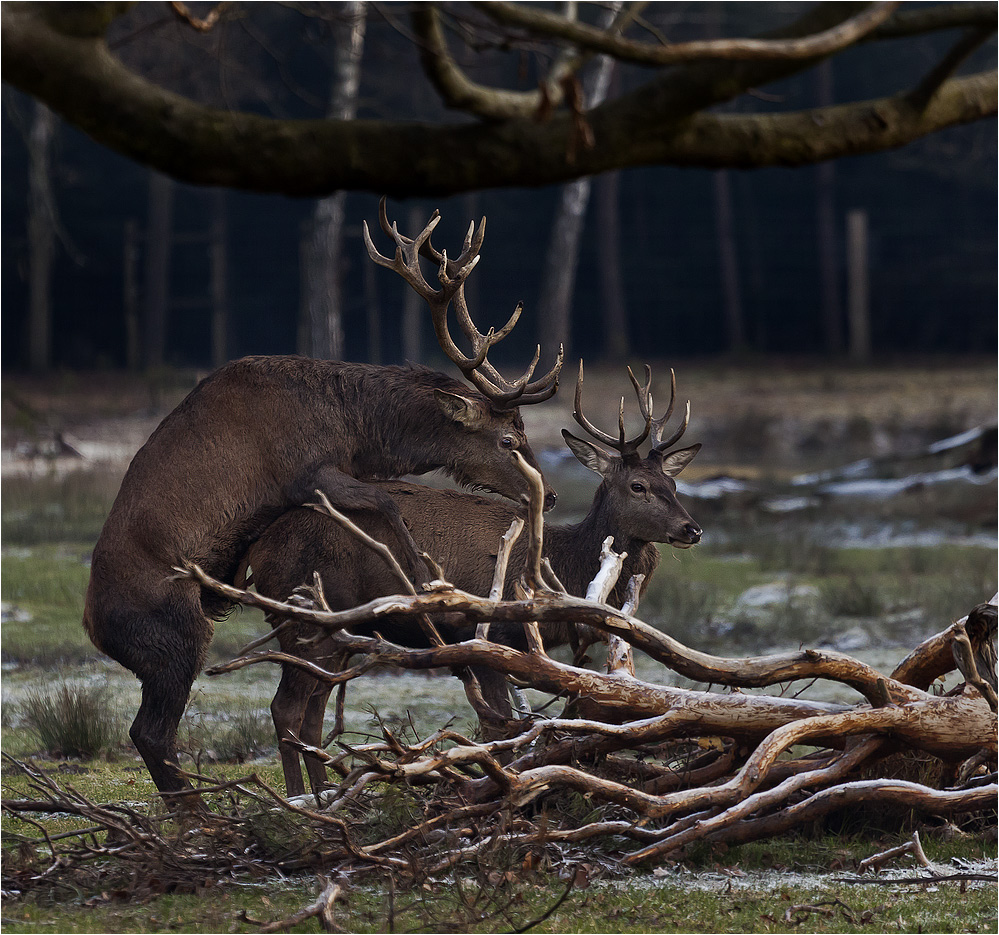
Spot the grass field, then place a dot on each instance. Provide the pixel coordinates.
(760, 581)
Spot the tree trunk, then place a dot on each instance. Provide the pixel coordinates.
(735, 331)
(615, 312)
(826, 240)
(159, 242)
(323, 284)
(325, 281)
(219, 280)
(41, 238)
(559, 274)
(130, 295)
(859, 285)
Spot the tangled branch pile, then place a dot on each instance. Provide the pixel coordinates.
(668, 766)
(633, 772)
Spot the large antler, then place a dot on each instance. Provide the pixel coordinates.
(659, 424)
(622, 444)
(452, 274)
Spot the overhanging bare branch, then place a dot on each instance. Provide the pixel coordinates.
(66, 63)
(458, 91)
(538, 20)
(925, 17)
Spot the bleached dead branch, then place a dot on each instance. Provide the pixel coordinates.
(744, 737)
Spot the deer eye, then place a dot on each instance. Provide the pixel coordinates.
(638, 488)
(508, 441)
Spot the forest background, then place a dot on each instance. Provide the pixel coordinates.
(134, 269)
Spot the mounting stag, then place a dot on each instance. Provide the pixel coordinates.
(256, 438)
(635, 503)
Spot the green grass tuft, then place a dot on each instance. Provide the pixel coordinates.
(73, 721)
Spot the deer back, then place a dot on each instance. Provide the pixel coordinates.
(460, 531)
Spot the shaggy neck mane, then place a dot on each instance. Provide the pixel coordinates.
(403, 422)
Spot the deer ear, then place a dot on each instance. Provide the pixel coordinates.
(676, 461)
(590, 455)
(460, 408)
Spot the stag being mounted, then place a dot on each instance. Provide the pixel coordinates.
(636, 504)
(258, 437)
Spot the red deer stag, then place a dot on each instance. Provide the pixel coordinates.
(635, 503)
(256, 438)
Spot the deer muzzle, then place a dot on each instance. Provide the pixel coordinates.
(690, 535)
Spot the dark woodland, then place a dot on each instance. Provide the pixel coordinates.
(722, 249)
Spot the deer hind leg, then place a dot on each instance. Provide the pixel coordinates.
(312, 732)
(166, 653)
(288, 711)
(496, 695)
(154, 730)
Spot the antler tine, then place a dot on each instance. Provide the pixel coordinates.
(526, 394)
(513, 392)
(407, 264)
(622, 444)
(383, 215)
(469, 250)
(488, 379)
(391, 228)
(452, 275)
(426, 249)
(404, 263)
(545, 387)
(550, 379)
(577, 414)
(675, 437)
(521, 389)
(503, 385)
(473, 334)
(644, 394)
(659, 424)
(473, 239)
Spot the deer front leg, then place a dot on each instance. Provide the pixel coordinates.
(347, 493)
(288, 710)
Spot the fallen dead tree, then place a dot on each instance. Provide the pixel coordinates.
(670, 766)
(632, 772)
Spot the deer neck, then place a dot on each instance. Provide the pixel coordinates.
(402, 424)
(575, 551)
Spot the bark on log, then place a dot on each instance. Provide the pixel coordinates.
(761, 794)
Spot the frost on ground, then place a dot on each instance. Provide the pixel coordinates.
(770, 881)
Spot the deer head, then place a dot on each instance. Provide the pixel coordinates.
(639, 493)
(490, 415)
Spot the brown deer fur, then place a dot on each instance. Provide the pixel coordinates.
(635, 503)
(250, 441)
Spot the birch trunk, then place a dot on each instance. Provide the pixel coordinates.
(41, 238)
(561, 260)
(324, 261)
(159, 246)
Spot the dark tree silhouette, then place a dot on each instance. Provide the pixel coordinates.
(59, 53)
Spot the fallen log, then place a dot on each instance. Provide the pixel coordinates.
(781, 761)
